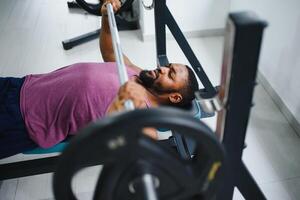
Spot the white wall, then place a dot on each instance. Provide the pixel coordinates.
(280, 55)
(193, 16)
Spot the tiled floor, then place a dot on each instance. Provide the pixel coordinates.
(31, 32)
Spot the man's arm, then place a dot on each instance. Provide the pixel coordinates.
(105, 41)
(131, 90)
(136, 93)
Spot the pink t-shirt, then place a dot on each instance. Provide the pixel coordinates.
(58, 103)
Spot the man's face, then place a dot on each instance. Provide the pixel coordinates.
(165, 79)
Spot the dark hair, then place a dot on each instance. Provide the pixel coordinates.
(188, 91)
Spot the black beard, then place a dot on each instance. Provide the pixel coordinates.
(147, 81)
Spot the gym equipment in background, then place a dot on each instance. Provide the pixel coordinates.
(122, 19)
(138, 167)
(163, 17)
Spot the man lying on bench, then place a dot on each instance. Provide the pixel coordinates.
(44, 109)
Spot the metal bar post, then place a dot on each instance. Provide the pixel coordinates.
(188, 52)
(245, 32)
(246, 181)
(160, 32)
(145, 188)
(123, 76)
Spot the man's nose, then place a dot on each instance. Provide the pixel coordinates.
(163, 70)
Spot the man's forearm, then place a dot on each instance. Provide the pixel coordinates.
(105, 41)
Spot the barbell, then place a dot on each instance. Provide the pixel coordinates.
(138, 167)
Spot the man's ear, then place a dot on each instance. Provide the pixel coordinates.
(175, 97)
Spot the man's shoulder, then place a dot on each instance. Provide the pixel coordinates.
(93, 64)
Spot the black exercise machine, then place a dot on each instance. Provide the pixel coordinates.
(240, 61)
(94, 9)
(138, 167)
(163, 18)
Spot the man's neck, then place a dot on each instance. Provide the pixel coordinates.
(153, 100)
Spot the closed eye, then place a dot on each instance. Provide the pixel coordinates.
(172, 73)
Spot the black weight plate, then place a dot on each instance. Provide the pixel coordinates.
(118, 138)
